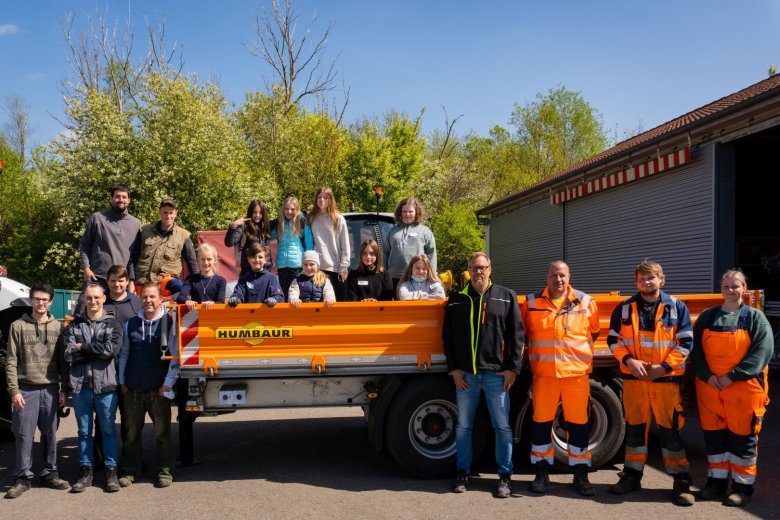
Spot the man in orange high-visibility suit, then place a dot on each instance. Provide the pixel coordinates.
(561, 326)
(651, 336)
(733, 345)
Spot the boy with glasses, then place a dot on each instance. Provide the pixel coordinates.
(36, 375)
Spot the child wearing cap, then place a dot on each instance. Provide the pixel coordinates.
(259, 286)
(312, 285)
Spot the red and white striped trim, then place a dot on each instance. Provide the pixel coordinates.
(188, 337)
(659, 165)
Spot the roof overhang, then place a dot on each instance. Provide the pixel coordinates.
(733, 122)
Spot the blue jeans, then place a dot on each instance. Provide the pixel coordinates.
(85, 403)
(498, 406)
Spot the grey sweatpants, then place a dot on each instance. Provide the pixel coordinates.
(40, 410)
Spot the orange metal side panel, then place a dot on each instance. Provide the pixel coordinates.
(349, 333)
(344, 333)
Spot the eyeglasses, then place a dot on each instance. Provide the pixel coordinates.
(40, 300)
(479, 268)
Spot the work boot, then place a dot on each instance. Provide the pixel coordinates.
(163, 482)
(681, 491)
(629, 481)
(125, 481)
(581, 482)
(461, 484)
(112, 482)
(20, 486)
(737, 499)
(84, 481)
(53, 481)
(542, 479)
(504, 489)
(714, 488)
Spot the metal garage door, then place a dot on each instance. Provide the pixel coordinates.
(668, 217)
(522, 243)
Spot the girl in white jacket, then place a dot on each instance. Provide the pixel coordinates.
(419, 281)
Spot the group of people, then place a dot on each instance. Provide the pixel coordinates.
(652, 339)
(100, 359)
(120, 352)
(313, 256)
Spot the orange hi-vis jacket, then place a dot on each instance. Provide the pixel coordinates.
(560, 341)
(668, 345)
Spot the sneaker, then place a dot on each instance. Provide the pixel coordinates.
(461, 483)
(112, 482)
(504, 489)
(164, 482)
(714, 488)
(737, 499)
(84, 481)
(125, 481)
(629, 481)
(581, 482)
(20, 486)
(542, 479)
(53, 481)
(681, 491)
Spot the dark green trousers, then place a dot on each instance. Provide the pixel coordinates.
(136, 406)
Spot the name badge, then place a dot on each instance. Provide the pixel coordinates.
(362, 282)
(414, 234)
(250, 285)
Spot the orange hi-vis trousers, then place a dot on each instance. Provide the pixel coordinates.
(731, 418)
(574, 394)
(662, 400)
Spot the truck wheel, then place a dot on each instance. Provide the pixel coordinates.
(421, 427)
(607, 427)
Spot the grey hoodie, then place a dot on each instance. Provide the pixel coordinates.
(93, 365)
(403, 242)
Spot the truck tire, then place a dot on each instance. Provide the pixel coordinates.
(607, 427)
(420, 433)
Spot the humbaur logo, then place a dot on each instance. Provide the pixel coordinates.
(253, 333)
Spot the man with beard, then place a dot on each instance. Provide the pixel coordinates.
(110, 238)
(650, 334)
(483, 342)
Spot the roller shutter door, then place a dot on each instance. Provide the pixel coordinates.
(668, 217)
(522, 243)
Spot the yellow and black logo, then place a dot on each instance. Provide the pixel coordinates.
(253, 333)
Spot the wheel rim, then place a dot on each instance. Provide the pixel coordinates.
(432, 429)
(597, 427)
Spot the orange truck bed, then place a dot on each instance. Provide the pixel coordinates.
(349, 337)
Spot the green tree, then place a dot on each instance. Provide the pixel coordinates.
(557, 130)
(24, 208)
(457, 236)
(299, 150)
(177, 141)
(390, 153)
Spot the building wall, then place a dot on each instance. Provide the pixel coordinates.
(667, 217)
(522, 243)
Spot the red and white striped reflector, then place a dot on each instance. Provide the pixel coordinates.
(634, 173)
(188, 336)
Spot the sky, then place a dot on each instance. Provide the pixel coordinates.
(639, 64)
